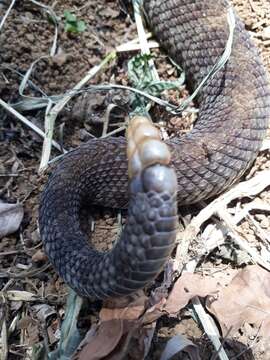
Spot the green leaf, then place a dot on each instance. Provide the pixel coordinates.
(70, 28)
(69, 16)
(81, 26)
(72, 24)
(70, 334)
(139, 72)
(157, 87)
(141, 76)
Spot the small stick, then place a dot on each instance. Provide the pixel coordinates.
(135, 46)
(244, 189)
(241, 242)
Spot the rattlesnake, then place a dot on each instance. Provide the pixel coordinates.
(234, 108)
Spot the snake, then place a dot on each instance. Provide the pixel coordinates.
(153, 178)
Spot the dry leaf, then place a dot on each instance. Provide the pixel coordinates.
(54, 332)
(11, 216)
(116, 339)
(121, 331)
(245, 300)
(122, 308)
(154, 312)
(39, 256)
(186, 287)
(19, 295)
(102, 340)
(124, 328)
(43, 312)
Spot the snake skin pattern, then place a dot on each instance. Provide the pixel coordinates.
(234, 108)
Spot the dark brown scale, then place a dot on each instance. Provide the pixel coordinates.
(234, 108)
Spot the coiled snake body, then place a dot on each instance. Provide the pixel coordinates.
(234, 108)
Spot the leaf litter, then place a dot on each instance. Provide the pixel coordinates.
(246, 299)
(11, 216)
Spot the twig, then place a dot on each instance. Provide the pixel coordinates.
(262, 234)
(12, 252)
(24, 274)
(244, 189)
(116, 131)
(254, 342)
(223, 342)
(253, 7)
(30, 82)
(132, 46)
(256, 204)
(107, 119)
(239, 240)
(4, 331)
(24, 120)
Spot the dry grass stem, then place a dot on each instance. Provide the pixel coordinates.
(52, 114)
(143, 39)
(6, 14)
(53, 17)
(209, 328)
(25, 121)
(4, 331)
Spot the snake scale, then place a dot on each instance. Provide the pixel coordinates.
(234, 108)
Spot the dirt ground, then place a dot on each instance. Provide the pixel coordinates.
(27, 35)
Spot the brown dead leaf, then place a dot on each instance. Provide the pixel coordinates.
(161, 292)
(126, 323)
(39, 256)
(124, 308)
(245, 300)
(121, 330)
(11, 216)
(186, 287)
(102, 341)
(116, 339)
(154, 312)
